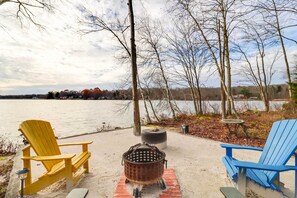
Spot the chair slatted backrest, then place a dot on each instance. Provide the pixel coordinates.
(280, 145)
(41, 137)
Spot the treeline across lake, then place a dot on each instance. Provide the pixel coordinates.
(277, 92)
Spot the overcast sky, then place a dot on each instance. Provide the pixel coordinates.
(58, 58)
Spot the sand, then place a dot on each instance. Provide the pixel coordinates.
(196, 161)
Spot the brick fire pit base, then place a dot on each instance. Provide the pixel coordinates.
(172, 187)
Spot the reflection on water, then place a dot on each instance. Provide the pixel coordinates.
(70, 117)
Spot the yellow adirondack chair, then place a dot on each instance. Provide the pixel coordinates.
(41, 138)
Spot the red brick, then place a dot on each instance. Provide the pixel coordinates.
(170, 196)
(173, 188)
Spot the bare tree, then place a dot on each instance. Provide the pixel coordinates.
(144, 88)
(259, 73)
(146, 93)
(187, 52)
(209, 23)
(278, 15)
(117, 29)
(151, 36)
(25, 8)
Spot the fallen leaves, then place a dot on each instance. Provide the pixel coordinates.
(258, 125)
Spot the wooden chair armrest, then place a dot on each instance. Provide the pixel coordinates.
(26, 147)
(50, 157)
(75, 143)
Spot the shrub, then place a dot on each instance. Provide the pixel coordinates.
(290, 110)
(7, 146)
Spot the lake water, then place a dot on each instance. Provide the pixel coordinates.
(71, 117)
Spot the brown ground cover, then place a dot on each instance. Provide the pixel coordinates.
(6, 164)
(258, 125)
(7, 152)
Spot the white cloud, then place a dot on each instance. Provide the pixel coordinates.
(35, 61)
(58, 55)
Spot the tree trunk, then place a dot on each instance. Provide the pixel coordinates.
(198, 97)
(261, 86)
(194, 100)
(200, 110)
(283, 48)
(137, 127)
(227, 56)
(189, 77)
(223, 102)
(265, 87)
(153, 109)
(228, 66)
(168, 94)
(228, 95)
(222, 74)
(148, 118)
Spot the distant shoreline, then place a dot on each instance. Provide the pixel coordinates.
(276, 92)
(281, 100)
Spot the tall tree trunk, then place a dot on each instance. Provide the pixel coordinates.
(200, 110)
(193, 90)
(190, 80)
(227, 56)
(168, 94)
(265, 88)
(262, 84)
(283, 48)
(198, 95)
(194, 100)
(153, 109)
(228, 95)
(222, 74)
(137, 127)
(266, 103)
(148, 118)
(228, 66)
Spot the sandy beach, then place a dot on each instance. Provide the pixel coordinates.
(196, 161)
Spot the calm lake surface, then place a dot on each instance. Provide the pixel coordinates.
(71, 117)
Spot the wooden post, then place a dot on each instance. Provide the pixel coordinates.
(69, 179)
(86, 164)
(241, 183)
(27, 164)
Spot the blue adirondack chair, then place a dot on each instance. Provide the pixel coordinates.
(280, 146)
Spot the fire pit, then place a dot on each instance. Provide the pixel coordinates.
(144, 165)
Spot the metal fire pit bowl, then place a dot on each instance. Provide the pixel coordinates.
(144, 164)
